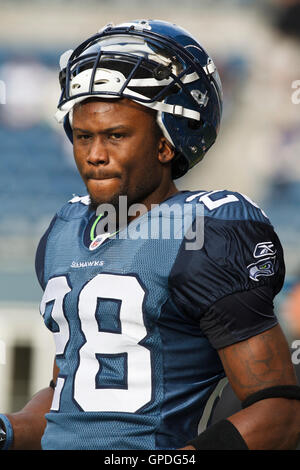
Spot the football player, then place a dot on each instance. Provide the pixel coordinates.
(152, 317)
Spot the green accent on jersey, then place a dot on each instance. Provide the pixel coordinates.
(92, 232)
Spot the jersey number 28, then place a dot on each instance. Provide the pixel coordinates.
(87, 394)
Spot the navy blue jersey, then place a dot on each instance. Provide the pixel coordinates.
(137, 320)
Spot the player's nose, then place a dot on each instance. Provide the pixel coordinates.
(98, 153)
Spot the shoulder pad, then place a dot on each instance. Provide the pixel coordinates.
(75, 208)
(228, 205)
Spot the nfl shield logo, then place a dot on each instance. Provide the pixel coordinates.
(98, 241)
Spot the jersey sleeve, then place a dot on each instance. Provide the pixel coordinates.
(40, 254)
(229, 284)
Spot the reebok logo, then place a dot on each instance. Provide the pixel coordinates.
(264, 249)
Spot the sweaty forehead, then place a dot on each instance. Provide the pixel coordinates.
(90, 108)
(104, 106)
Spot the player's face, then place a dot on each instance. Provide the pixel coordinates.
(118, 152)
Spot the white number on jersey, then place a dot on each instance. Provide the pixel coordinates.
(128, 290)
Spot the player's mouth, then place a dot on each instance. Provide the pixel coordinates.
(101, 177)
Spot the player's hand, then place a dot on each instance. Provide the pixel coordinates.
(187, 448)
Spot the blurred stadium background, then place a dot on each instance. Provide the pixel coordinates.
(255, 44)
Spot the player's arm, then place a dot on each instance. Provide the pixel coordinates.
(229, 288)
(258, 363)
(29, 423)
(255, 364)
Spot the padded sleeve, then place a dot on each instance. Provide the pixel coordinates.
(229, 284)
(239, 316)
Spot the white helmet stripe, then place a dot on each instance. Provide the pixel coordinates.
(140, 82)
(177, 110)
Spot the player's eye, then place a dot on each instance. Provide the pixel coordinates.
(116, 136)
(83, 136)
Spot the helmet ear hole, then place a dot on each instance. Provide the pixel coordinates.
(180, 165)
(194, 125)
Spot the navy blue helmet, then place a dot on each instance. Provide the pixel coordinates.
(156, 64)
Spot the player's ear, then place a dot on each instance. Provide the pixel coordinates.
(165, 150)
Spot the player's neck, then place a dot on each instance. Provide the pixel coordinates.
(156, 198)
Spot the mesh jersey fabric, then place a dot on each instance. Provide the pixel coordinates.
(136, 367)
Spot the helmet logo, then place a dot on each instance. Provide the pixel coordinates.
(201, 98)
